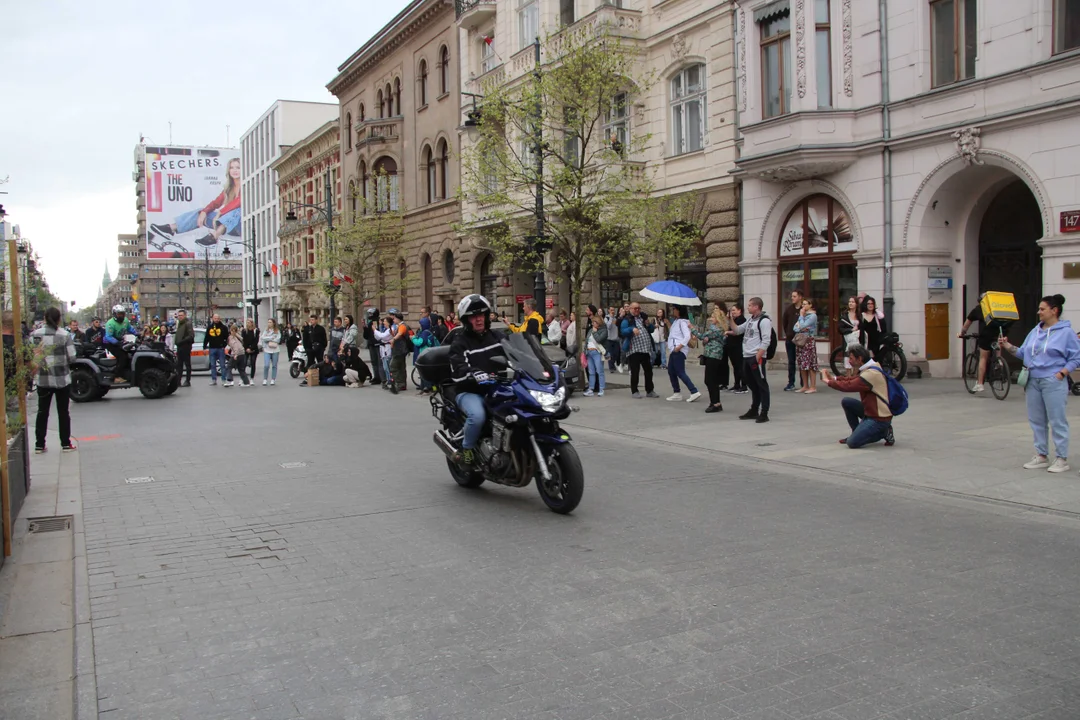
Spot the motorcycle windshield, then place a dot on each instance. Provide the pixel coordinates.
(525, 353)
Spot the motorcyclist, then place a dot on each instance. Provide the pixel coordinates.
(115, 329)
(471, 367)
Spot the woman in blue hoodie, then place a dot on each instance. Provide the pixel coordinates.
(1050, 352)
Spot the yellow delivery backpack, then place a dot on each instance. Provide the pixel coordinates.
(998, 309)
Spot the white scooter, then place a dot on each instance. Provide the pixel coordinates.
(299, 362)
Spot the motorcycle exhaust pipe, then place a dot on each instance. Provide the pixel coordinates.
(443, 443)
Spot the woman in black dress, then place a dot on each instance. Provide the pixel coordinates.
(733, 350)
(872, 325)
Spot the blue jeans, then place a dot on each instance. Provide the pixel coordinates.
(385, 369)
(189, 221)
(661, 355)
(472, 405)
(596, 370)
(217, 357)
(676, 370)
(1046, 398)
(864, 430)
(270, 361)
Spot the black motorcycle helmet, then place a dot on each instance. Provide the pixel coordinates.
(372, 315)
(474, 304)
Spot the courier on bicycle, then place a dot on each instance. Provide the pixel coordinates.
(989, 332)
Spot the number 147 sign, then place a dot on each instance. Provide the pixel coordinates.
(1070, 221)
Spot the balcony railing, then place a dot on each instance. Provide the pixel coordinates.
(382, 130)
(464, 7)
(299, 276)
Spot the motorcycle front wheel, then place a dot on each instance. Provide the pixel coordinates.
(563, 492)
(294, 370)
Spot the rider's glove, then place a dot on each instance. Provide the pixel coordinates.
(482, 378)
(129, 347)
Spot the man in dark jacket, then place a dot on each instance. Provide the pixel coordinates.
(95, 334)
(791, 315)
(472, 369)
(217, 337)
(372, 318)
(313, 337)
(184, 338)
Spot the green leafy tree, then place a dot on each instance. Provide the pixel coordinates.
(363, 255)
(598, 198)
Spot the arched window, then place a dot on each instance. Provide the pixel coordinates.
(361, 113)
(403, 275)
(386, 184)
(444, 70)
(423, 83)
(444, 167)
(815, 252)
(430, 170)
(448, 267)
(389, 93)
(348, 131)
(382, 104)
(397, 95)
(352, 199)
(365, 181)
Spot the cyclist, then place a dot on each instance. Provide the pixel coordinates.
(988, 335)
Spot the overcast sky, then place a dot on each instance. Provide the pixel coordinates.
(82, 80)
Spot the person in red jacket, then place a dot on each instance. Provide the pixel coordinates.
(869, 417)
(221, 216)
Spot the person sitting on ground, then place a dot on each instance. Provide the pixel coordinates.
(356, 370)
(331, 372)
(869, 417)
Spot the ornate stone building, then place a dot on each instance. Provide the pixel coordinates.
(689, 115)
(918, 150)
(304, 172)
(399, 116)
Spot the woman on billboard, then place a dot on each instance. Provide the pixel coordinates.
(221, 216)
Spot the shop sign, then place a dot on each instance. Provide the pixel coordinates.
(522, 298)
(1070, 221)
(693, 265)
(819, 274)
(939, 271)
(791, 275)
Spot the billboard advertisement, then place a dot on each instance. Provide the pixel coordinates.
(192, 202)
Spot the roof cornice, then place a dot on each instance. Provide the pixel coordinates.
(409, 21)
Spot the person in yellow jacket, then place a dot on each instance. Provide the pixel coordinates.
(533, 323)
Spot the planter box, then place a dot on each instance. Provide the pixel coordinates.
(18, 471)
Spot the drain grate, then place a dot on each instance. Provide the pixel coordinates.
(49, 524)
(138, 480)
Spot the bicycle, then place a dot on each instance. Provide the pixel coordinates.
(997, 370)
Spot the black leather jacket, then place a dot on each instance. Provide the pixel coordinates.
(470, 353)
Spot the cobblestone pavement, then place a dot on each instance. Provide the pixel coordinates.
(366, 584)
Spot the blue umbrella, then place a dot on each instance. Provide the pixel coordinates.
(669, 291)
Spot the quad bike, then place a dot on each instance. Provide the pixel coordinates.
(152, 370)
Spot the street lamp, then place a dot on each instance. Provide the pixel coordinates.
(538, 242)
(250, 249)
(328, 213)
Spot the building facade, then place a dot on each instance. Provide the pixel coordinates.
(160, 287)
(304, 174)
(688, 114)
(921, 151)
(399, 114)
(283, 124)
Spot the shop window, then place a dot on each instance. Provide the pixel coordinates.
(953, 40)
(815, 250)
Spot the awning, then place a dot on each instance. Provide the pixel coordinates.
(772, 10)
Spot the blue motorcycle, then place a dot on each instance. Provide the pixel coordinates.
(522, 439)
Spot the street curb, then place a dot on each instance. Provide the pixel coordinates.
(892, 484)
(85, 685)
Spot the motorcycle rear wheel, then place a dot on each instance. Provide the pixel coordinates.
(563, 493)
(464, 478)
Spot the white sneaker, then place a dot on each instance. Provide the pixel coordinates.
(1038, 462)
(227, 384)
(980, 388)
(264, 383)
(693, 397)
(1058, 466)
(677, 397)
(271, 382)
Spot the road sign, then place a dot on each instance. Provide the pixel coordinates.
(522, 298)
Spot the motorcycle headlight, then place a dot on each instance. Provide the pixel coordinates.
(549, 402)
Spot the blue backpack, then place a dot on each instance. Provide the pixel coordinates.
(898, 397)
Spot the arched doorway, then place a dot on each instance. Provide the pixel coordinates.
(1010, 258)
(816, 252)
(487, 278)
